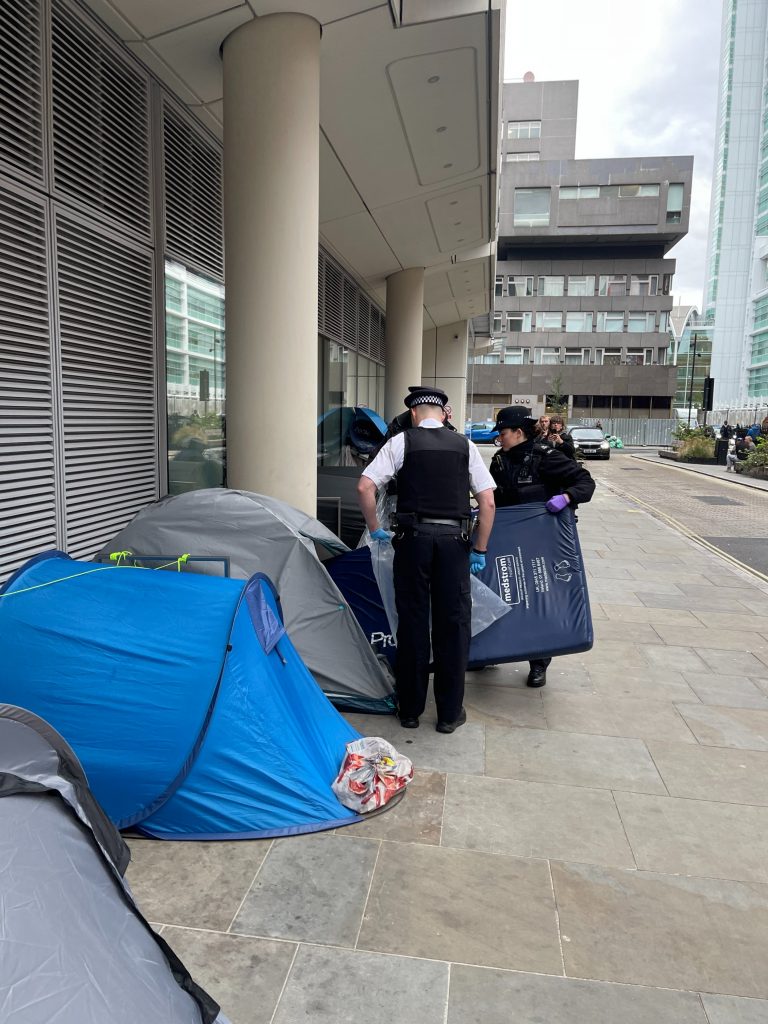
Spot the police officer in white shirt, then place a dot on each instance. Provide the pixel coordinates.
(436, 469)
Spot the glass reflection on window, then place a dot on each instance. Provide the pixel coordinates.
(195, 380)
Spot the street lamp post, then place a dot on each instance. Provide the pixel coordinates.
(694, 340)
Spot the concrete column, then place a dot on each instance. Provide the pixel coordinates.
(405, 324)
(445, 365)
(271, 213)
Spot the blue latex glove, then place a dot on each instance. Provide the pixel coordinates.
(476, 562)
(381, 535)
(557, 504)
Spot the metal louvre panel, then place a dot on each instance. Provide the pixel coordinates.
(27, 467)
(375, 322)
(21, 105)
(333, 302)
(363, 325)
(100, 125)
(344, 313)
(108, 382)
(194, 228)
(350, 313)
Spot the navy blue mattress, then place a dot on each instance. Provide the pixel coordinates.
(534, 562)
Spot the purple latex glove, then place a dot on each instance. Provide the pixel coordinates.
(558, 503)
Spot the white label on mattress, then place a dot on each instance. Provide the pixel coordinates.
(510, 576)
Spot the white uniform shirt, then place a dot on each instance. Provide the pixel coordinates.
(390, 460)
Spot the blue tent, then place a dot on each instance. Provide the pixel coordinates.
(533, 563)
(182, 696)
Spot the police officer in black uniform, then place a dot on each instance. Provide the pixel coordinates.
(524, 471)
(436, 468)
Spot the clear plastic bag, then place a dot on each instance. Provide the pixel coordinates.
(487, 606)
(371, 774)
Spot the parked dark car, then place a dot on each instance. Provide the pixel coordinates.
(590, 443)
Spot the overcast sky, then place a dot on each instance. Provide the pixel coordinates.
(648, 76)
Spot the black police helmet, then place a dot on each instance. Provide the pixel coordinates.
(516, 417)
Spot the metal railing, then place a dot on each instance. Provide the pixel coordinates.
(636, 431)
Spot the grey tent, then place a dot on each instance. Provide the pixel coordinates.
(239, 533)
(75, 948)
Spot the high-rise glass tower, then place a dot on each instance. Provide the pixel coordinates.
(736, 290)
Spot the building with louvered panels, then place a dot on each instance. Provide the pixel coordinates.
(339, 160)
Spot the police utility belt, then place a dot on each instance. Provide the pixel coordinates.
(402, 521)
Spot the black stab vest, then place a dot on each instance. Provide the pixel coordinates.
(519, 481)
(434, 478)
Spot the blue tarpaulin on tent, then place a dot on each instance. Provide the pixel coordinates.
(182, 696)
(534, 563)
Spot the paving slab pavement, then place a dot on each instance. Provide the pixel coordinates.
(591, 852)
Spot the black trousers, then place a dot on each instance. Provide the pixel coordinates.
(432, 573)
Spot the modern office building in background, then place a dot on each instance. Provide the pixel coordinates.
(736, 290)
(583, 287)
(342, 154)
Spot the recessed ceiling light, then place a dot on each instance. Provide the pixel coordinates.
(433, 78)
(442, 128)
(446, 166)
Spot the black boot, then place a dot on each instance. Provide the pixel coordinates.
(538, 674)
(450, 727)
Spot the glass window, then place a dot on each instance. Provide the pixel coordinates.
(613, 285)
(531, 207)
(174, 292)
(519, 321)
(200, 338)
(644, 284)
(517, 286)
(204, 306)
(195, 383)
(497, 318)
(517, 356)
(174, 331)
(512, 158)
(551, 286)
(640, 322)
(611, 357)
(546, 356)
(674, 203)
(610, 323)
(637, 191)
(663, 323)
(499, 290)
(549, 321)
(578, 322)
(334, 396)
(635, 357)
(579, 191)
(174, 368)
(578, 357)
(666, 284)
(581, 285)
(524, 130)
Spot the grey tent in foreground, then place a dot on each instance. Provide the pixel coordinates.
(240, 533)
(75, 948)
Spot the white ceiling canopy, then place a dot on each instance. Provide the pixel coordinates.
(409, 116)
